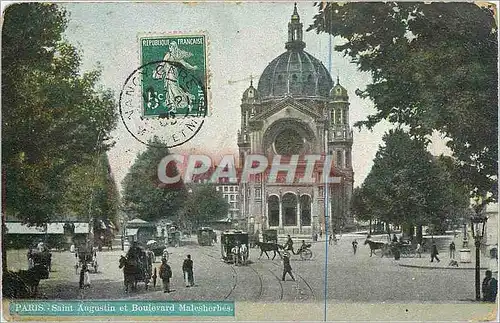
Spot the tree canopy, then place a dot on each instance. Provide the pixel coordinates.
(204, 204)
(143, 194)
(409, 186)
(91, 192)
(434, 68)
(53, 116)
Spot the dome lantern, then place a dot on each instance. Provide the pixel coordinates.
(338, 92)
(250, 94)
(295, 32)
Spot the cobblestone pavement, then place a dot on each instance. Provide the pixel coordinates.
(350, 278)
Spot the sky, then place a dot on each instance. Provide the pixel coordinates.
(243, 39)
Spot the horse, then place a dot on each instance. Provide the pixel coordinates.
(375, 246)
(269, 246)
(130, 272)
(24, 283)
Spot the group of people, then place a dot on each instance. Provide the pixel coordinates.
(165, 273)
(289, 246)
(239, 253)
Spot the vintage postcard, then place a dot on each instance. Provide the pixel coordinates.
(249, 161)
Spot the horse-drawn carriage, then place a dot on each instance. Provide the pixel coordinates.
(384, 247)
(234, 246)
(173, 238)
(405, 249)
(158, 249)
(40, 255)
(137, 267)
(86, 254)
(206, 236)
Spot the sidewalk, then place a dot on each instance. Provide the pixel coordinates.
(425, 262)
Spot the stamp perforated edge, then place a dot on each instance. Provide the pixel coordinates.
(208, 73)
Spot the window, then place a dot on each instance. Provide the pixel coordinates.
(225, 188)
(236, 188)
(232, 197)
(347, 159)
(257, 193)
(340, 159)
(231, 189)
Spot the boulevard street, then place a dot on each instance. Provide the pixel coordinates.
(351, 278)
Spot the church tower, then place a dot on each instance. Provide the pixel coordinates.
(340, 146)
(288, 113)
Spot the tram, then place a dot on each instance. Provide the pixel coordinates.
(206, 236)
(228, 240)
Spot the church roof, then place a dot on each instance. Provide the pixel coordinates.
(295, 72)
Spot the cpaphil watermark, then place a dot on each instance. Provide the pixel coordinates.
(298, 169)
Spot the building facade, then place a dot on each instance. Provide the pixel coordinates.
(296, 109)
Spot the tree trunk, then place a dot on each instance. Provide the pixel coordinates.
(419, 233)
(370, 228)
(388, 230)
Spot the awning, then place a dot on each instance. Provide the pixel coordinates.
(131, 232)
(19, 228)
(81, 227)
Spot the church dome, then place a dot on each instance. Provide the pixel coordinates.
(295, 72)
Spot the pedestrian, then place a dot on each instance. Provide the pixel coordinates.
(236, 253)
(289, 244)
(418, 250)
(84, 277)
(330, 239)
(394, 238)
(286, 266)
(490, 286)
(434, 252)
(187, 269)
(452, 250)
(320, 233)
(165, 275)
(31, 262)
(354, 246)
(334, 239)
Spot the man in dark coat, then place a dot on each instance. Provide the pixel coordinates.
(289, 244)
(286, 266)
(187, 269)
(434, 252)
(165, 275)
(490, 286)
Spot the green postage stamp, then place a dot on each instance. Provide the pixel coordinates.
(174, 75)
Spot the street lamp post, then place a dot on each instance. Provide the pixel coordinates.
(478, 222)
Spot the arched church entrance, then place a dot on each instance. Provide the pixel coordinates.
(289, 207)
(274, 210)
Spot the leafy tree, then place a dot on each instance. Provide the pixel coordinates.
(204, 204)
(143, 194)
(53, 116)
(407, 186)
(360, 207)
(91, 191)
(434, 68)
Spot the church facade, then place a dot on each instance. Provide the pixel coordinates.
(296, 109)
